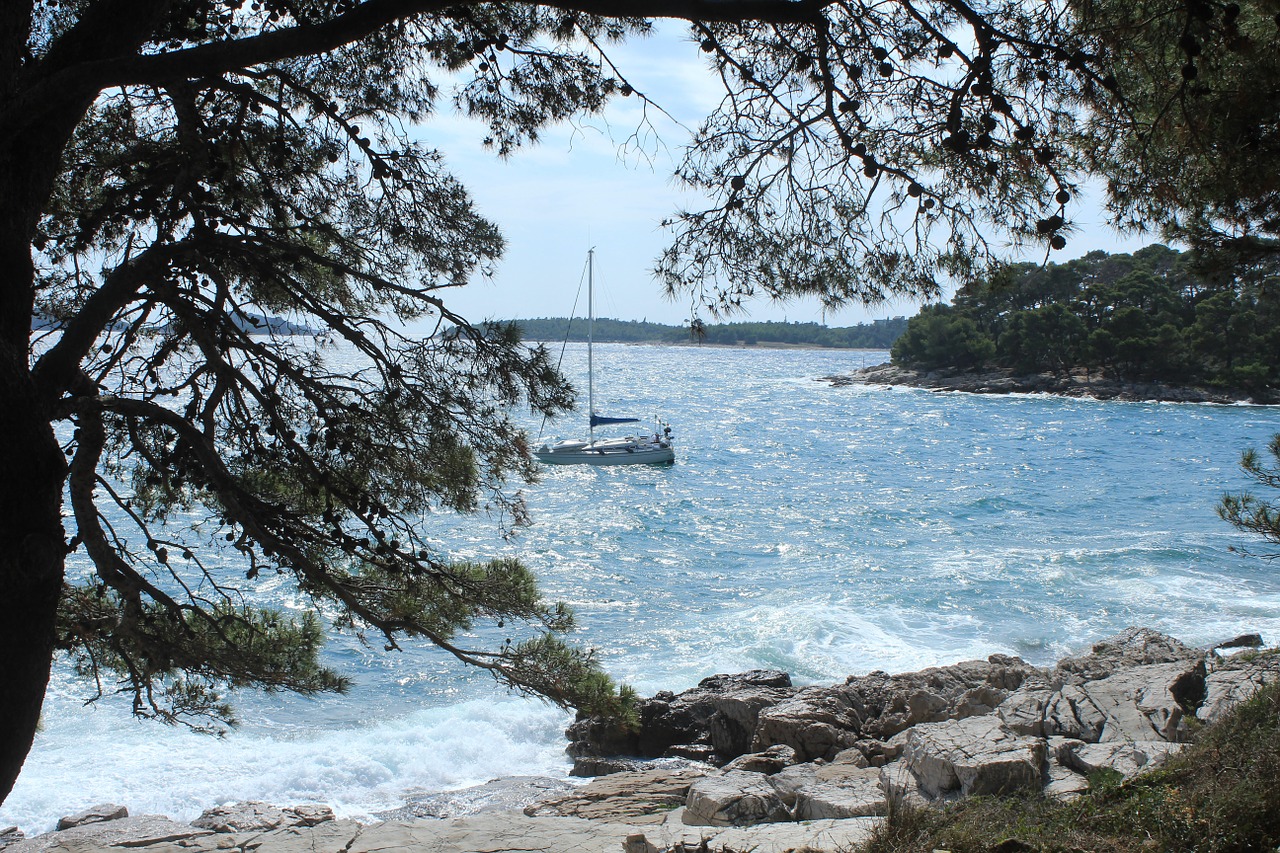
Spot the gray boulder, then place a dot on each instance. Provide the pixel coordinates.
(97, 814)
(1148, 702)
(714, 721)
(902, 786)
(1241, 641)
(1140, 702)
(841, 791)
(792, 780)
(1038, 711)
(736, 798)
(817, 722)
(976, 755)
(1130, 648)
(894, 703)
(772, 760)
(1234, 679)
(1070, 712)
(1126, 757)
(256, 816)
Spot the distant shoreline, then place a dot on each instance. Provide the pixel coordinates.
(759, 345)
(1005, 381)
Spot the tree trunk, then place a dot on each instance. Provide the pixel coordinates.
(32, 468)
(32, 540)
(31, 559)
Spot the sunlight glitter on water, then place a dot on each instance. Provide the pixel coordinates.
(825, 531)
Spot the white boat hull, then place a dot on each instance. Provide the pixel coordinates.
(618, 451)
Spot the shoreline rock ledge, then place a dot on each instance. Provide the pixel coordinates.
(752, 762)
(762, 751)
(1005, 381)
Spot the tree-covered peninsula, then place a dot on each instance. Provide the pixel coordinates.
(1157, 315)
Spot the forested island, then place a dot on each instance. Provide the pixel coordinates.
(879, 334)
(1157, 315)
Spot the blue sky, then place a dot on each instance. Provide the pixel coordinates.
(584, 187)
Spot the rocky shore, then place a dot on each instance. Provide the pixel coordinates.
(752, 762)
(1007, 382)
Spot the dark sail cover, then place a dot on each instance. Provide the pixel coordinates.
(598, 420)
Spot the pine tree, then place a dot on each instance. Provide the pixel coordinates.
(173, 172)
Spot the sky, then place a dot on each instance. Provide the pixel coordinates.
(591, 185)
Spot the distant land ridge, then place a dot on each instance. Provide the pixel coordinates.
(879, 334)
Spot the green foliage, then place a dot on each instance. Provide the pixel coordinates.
(175, 661)
(1251, 514)
(1217, 796)
(1155, 314)
(940, 337)
(1195, 150)
(1046, 338)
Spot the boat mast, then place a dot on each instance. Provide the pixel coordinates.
(591, 319)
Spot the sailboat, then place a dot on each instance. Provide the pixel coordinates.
(647, 448)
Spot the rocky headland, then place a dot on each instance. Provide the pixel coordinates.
(1005, 381)
(752, 762)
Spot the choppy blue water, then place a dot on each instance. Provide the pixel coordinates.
(821, 530)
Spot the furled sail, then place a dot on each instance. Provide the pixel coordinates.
(600, 420)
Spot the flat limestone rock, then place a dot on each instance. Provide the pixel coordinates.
(141, 831)
(790, 781)
(1235, 679)
(977, 755)
(736, 798)
(332, 836)
(1147, 702)
(256, 816)
(814, 835)
(1071, 712)
(492, 833)
(506, 794)
(674, 836)
(1064, 784)
(842, 791)
(901, 785)
(634, 797)
(1126, 757)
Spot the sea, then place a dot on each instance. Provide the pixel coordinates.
(821, 530)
